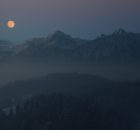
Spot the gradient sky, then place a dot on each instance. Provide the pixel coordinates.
(79, 18)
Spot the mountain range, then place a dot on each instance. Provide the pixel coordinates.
(119, 46)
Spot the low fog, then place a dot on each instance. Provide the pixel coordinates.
(11, 71)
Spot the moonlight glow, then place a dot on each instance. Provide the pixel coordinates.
(11, 24)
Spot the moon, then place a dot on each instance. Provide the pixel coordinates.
(11, 24)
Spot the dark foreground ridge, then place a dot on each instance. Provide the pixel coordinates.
(70, 101)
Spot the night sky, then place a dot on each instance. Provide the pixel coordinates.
(79, 18)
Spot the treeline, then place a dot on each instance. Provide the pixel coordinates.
(65, 112)
(52, 112)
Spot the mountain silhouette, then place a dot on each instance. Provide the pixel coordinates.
(119, 46)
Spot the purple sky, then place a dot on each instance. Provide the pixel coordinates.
(80, 18)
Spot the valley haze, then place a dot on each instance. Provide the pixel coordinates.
(115, 56)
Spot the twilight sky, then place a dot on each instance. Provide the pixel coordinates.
(79, 18)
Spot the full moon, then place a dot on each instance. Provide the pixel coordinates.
(11, 24)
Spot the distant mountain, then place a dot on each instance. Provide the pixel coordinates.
(119, 46)
(64, 41)
(56, 46)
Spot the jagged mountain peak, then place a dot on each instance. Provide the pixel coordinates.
(61, 40)
(58, 35)
(120, 31)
